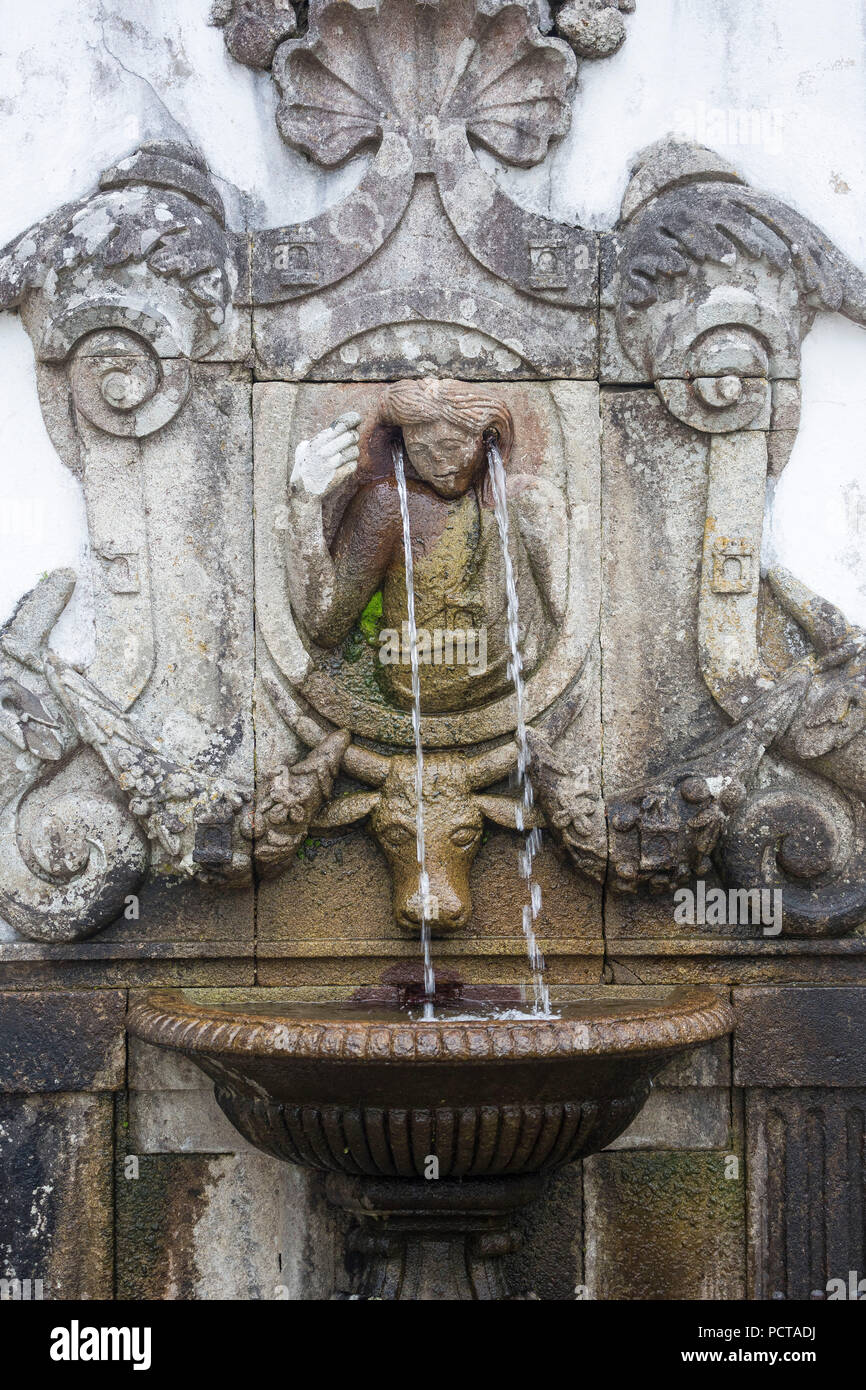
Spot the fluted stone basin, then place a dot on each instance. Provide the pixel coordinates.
(441, 1126)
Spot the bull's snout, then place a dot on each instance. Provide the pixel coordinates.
(448, 910)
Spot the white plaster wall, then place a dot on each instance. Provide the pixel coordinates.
(778, 86)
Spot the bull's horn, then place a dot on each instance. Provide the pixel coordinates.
(489, 767)
(824, 624)
(362, 763)
(366, 765)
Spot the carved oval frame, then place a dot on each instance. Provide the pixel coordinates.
(574, 408)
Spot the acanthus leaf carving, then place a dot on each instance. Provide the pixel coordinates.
(72, 856)
(172, 802)
(157, 208)
(71, 850)
(572, 806)
(827, 732)
(665, 832)
(718, 280)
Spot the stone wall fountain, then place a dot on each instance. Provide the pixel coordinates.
(380, 546)
(433, 1130)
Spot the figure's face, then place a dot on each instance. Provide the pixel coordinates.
(445, 456)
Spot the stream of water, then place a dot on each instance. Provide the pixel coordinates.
(421, 848)
(532, 841)
(532, 836)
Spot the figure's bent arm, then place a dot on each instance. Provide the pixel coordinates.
(330, 590)
(362, 552)
(309, 568)
(321, 466)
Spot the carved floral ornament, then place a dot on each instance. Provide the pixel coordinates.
(359, 74)
(256, 29)
(139, 298)
(421, 85)
(364, 71)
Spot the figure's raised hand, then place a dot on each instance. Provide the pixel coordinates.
(324, 462)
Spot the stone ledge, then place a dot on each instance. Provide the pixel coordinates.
(642, 961)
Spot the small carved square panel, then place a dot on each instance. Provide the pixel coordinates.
(733, 566)
(547, 265)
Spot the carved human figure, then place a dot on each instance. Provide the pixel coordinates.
(444, 429)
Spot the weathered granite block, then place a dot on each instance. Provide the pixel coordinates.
(53, 1040)
(800, 1036)
(663, 1226)
(548, 1261)
(56, 1210)
(174, 1217)
(732, 961)
(654, 490)
(423, 305)
(120, 964)
(704, 1066)
(180, 1122)
(696, 1117)
(806, 1162)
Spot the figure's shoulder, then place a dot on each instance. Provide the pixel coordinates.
(376, 492)
(531, 488)
(377, 502)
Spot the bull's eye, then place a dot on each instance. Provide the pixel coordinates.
(464, 835)
(396, 835)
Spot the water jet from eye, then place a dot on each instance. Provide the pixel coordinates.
(421, 850)
(532, 841)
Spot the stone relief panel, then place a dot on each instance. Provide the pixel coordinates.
(238, 756)
(333, 627)
(435, 317)
(714, 289)
(140, 769)
(427, 240)
(325, 554)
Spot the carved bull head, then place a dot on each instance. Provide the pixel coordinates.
(455, 809)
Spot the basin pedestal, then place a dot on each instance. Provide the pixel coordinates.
(431, 1240)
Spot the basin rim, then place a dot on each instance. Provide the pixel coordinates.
(685, 1018)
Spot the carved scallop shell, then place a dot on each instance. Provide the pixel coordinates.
(410, 67)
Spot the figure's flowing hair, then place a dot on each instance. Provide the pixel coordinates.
(469, 407)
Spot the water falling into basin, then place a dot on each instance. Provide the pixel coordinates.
(532, 840)
(421, 851)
